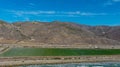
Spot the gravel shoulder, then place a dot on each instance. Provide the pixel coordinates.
(16, 61)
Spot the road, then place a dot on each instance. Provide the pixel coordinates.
(15, 61)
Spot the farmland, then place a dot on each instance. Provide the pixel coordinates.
(19, 51)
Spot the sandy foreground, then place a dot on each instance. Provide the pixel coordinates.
(16, 61)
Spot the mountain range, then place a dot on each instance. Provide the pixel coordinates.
(58, 33)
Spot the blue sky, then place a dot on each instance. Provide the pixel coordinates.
(90, 12)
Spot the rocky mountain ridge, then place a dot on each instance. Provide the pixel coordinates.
(58, 33)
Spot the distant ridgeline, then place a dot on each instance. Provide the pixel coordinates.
(58, 33)
(2, 22)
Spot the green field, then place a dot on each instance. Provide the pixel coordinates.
(58, 52)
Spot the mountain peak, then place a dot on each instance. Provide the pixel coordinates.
(58, 33)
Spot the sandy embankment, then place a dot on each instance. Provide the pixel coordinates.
(81, 46)
(14, 61)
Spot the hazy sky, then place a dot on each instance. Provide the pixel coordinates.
(90, 12)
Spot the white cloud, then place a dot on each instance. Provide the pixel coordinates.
(78, 13)
(108, 3)
(20, 13)
(111, 2)
(116, 0)
(31, 4)
(93, 14)
(27, 19)
(53, 13)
